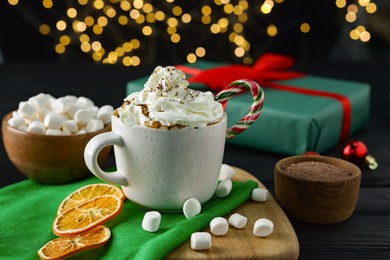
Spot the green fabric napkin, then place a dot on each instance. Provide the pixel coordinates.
(27, 211)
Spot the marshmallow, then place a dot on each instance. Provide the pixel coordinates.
(224, 188)
(151, 221)
(94, 110)
(39, 101)
(62, 105)
(43, 112)
(191, 208)
(263, 227)
(70, 125)
(226, 172)
(259, 194)
(36, 127)
(83, 116)
(219, 226)
(238, 221)
(51, 131)
(23, 128)
(65, 132)
(81, 131)
(72, 98)
(200, 241)
(51, 99)
(15, 114)
(16, 121)
(64, 117)
(94, 125)
(72, 111)
(53, 121)
(104, 113)
(84, 102)
(27, 110)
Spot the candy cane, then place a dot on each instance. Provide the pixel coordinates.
(235, 88)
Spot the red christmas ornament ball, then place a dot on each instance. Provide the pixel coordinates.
(355, 152)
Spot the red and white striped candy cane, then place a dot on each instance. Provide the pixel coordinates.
(235, 88)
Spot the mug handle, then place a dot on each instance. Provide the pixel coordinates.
(91, 152)
(238, 87)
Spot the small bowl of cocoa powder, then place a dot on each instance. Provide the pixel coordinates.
(317, 189)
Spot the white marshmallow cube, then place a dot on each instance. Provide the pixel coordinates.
(72, 98)
(43, 112)
(219, 226)
(191, 207)
(151, 221)
(15, 114)
(51, 99)
(263, 227)
(227, 172)
(224, 188)
(50, 131)
(201, 241)
(40, 101)
(94, 125)
(237, 220)
(83, 116)
(64, 117)
(72, 111)
(65, 132)
(36, 127)
(70, 125)
(81, 131)
(104, 113)
(27, 110)
(62, 105)
(84, 102)
(16, 121)
(53, 121)
(94, 110)
(23, 128)
(259, 194)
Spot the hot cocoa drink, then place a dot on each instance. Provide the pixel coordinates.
(166, 102)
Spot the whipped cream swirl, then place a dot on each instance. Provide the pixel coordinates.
(167, 101)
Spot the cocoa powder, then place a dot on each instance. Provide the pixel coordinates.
(316, 171)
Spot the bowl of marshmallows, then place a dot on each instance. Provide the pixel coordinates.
(46, 136)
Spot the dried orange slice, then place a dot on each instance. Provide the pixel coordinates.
(87, 215)
(89, 192)
(69, 245)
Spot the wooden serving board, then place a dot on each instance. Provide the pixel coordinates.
(241, 243)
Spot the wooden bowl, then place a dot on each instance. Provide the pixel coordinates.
(49, 158)
(317, 201)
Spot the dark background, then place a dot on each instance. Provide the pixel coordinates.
(328, 39)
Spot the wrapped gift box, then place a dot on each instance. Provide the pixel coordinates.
(293, 122)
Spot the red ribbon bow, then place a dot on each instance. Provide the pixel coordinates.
(268, 68)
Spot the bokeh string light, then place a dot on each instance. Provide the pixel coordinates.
(351, 16)
(127, 32)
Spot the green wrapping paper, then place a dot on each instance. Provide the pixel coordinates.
(292, 123)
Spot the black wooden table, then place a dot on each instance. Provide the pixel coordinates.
(366, 235)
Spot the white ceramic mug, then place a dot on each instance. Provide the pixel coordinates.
(160, 169)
